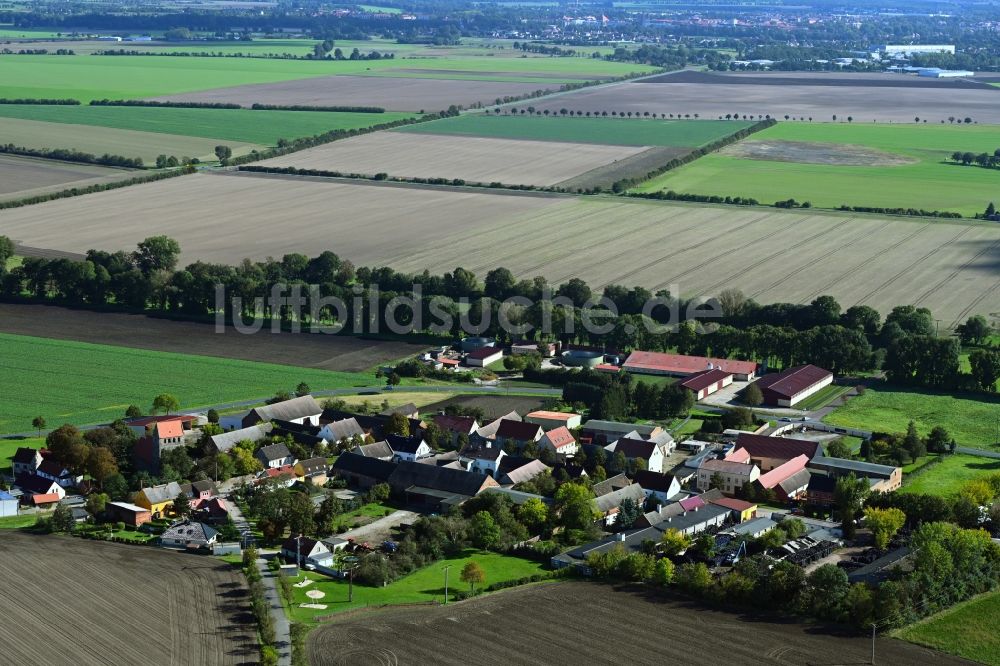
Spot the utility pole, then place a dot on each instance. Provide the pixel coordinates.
(873, 643)
(298, 557)
(350, 585)
(446, 584)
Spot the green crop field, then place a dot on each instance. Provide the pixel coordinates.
(83, 383)
(680, 133)
(947, 477)
(971, 419)
(920, 178)
(425, 584)
(243, 125)
(968, 630)
(125, 77)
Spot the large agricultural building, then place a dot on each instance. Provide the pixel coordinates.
(679, 365)
(903, 50)
(793, 385)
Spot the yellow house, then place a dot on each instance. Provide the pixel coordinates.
(158, 499)
(744, 510)
(314, 469)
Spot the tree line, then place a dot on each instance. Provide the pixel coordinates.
(985, 160)
(72, 155)
(906, 345)
(97, 187)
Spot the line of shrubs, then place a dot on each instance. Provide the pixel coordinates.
(670, 195)
(71, 155)
(334, 109)
(90, 189)
(916, 212)
(171, 105)
(39, 102)
(628, 183)
(459, 595)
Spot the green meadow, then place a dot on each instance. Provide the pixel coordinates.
(614, 131)
(928, 181)
(244, 125)
(948, 476)
(971, 419)
(129, 77)
(968, 630)
(82, 383)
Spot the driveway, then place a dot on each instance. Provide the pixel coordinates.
(381, 529)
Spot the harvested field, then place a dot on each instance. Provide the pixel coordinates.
(397, 94)
(326, 352)
(608, 131)
(637, 166)
(864, 102)
(493, 406)
(805, 152)
(772, 255)
(470, 158)
(119, 603)
(26, 176)
(661, 629)
(100, 140)
(835, 79)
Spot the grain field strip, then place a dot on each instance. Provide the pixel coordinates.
(812, 262)
(912, 265)
(621, 278)
(760, 262)
(970, 308)
(951, 276)
(850, 271)
(715, 258)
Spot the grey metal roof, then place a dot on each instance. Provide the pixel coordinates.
(613, 500)
(166, 492)
(228, 440)
(289, 410)
(864, 468)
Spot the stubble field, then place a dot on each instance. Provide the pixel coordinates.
(101, 140)
(658, 630)
(473, 159)
(771, 255)
(24, 176)
(857, 97)
(93, 603)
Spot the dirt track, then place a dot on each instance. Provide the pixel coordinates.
(588, 623)
(72, 602)
(327, 352)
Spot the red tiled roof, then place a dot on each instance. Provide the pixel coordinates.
(680, 364)
(451, 423)
(170, 429)
(690, 503)
(559, 437)
(792, 381)
(782, 448)
(732, 503)
(45, 499)
(552, 416)
(607, 367)
(518, 430)
(783, 471)
(704, 379)
(739, 455)
(484, 352)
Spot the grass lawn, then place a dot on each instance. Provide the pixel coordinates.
(947, 476)
(653, 380)
(928, 182)
(17, 522)
(680, 133)
(823, 397)
(95, 77)
(691, 427)
(244, 125)
(971, 419)
(396, 398)
(8, 447)
(427, 584)
(83, 383)
(968, 630)
(373, 510)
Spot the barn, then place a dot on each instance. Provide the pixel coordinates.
(482, 357)
(791, 386)
(679, 365)
(707, 382)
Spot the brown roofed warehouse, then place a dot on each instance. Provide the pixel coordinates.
(793, 385)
